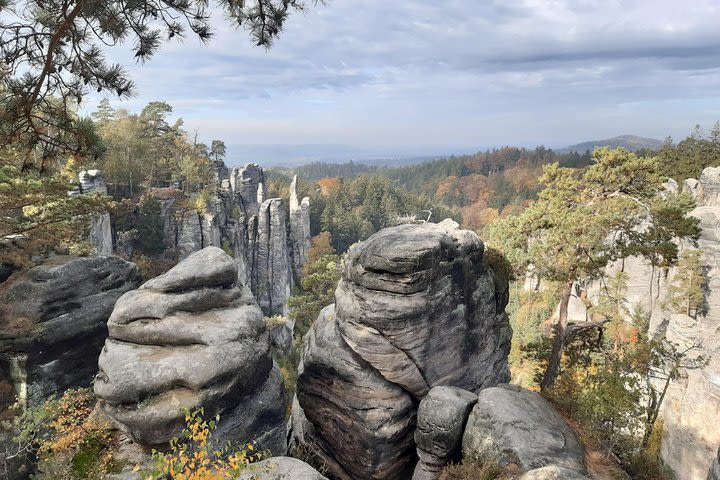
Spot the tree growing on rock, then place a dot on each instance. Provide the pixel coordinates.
(583, 220)
(670, 362)
(687, 290)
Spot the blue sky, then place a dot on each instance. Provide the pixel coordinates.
(417, 76)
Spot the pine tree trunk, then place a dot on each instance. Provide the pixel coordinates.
(553, 368)
(654, 414)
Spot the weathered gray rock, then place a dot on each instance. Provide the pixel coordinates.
(237, 218)
(710, 183)
(101, 233)
(714, 473)
(52, 322)
(274, 275)
(405, 288)
(362, 424)
(299, 228)
(416, 308)
(690, 408)
(249, 184)
(671, 186)
(441, 420)
(281, 468)
(690, 438)
(170, 223)
(281, 336)
(553, 473)
(692, 187)
(187, 339)
(518, 426)
(189, 238)
(91, 181)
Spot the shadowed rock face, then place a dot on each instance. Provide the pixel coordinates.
(714, 473)
(416, 307)
(441, 420)
(52, 319)
(191, 338)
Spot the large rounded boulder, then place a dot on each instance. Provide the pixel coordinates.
(192, 338)
(518, 427)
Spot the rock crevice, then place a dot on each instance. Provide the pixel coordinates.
(417, 307)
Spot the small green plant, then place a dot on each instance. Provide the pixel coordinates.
(228, 248)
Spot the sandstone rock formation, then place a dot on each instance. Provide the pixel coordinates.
(517, 426)
(241, 219)
(271, 273)
(299, 227)
(91, 181)
(416, 308)
(690, 439)
(53, 322)
(710, 187)
(192, 338)
(441, 420)
(281, 468)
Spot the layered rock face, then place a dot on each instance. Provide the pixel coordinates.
(416, 308)
(299, 227)
(690, 437)
(193, 337)
(91, 181)
(53, 322)
(239, 217)
(270, 273)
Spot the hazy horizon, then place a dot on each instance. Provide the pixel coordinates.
(393, 75)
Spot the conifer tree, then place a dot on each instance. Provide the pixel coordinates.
(686, 293)
(582, 221)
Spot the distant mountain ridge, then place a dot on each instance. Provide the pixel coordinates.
(631, 142)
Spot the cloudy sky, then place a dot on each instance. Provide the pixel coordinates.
(425, 76)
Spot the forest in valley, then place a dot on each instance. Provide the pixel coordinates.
(522, 202)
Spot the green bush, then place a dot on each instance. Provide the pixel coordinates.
(150, 226)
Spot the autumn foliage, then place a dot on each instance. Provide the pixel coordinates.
(192, 457)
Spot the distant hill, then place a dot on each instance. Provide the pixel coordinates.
(292, 156)
(631, 142)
